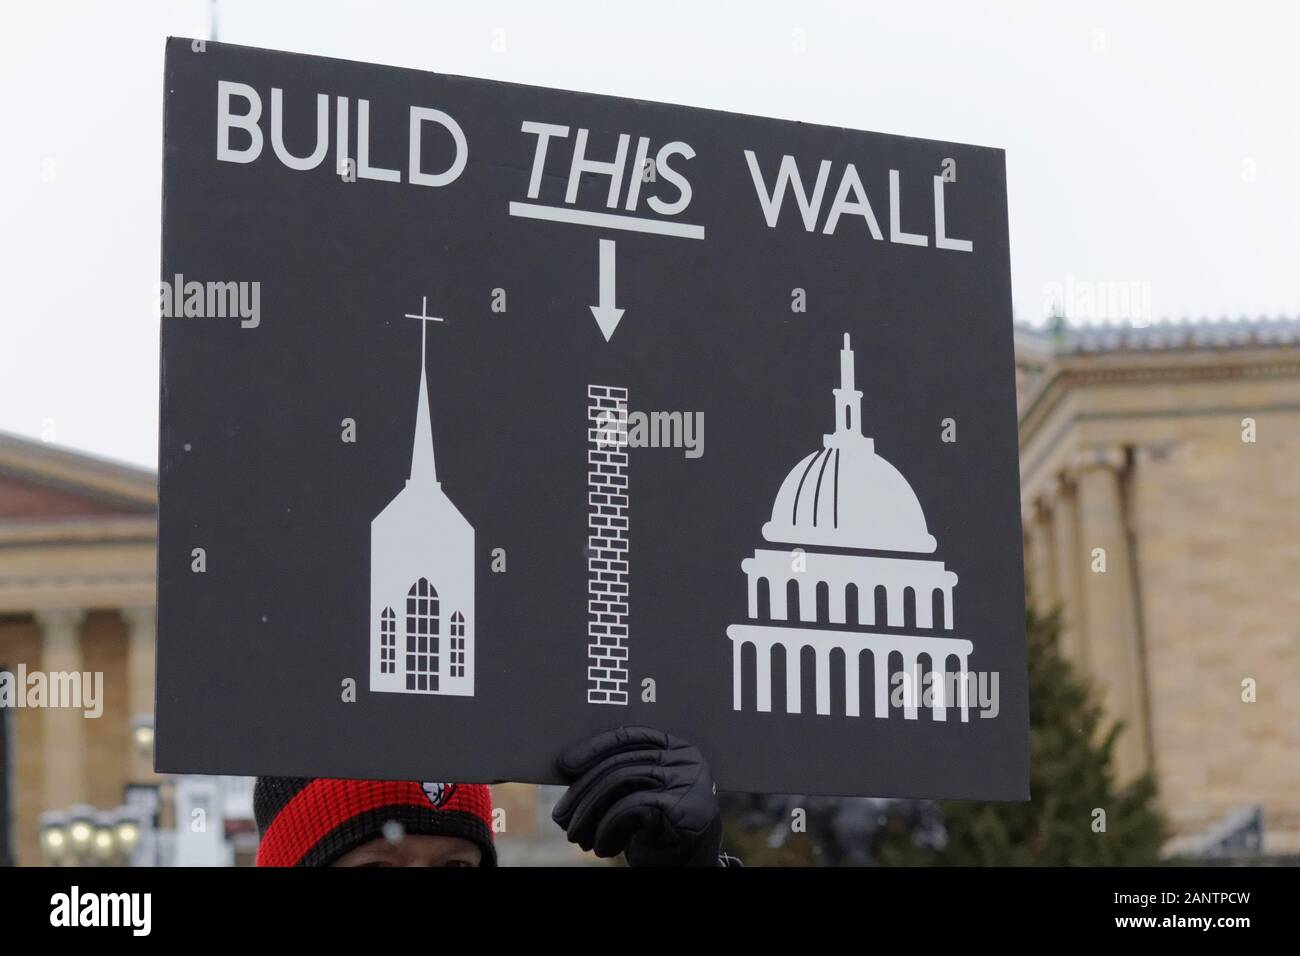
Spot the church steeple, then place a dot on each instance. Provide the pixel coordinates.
(423, 467)
(848, 400)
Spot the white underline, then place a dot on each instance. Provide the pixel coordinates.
(606, 220)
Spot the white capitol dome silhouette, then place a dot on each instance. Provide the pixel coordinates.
(846, 495)
(872, 594)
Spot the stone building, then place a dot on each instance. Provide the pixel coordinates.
(1161, 507)
(77, 572)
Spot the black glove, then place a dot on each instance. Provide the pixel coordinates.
(642, 792)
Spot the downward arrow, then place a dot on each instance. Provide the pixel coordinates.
(607, 317)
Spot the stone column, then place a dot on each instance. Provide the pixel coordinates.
(1042, 574)
(1027, 543)
(1110, 602)
(63, 756)
(1070, 565)
(140, 657)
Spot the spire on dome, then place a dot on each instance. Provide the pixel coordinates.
(423, 467)
(848, 400)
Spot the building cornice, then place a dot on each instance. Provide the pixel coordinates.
(88, 590)
(78, 472)
(1204, 335)
(75, 531)
(1103, 369)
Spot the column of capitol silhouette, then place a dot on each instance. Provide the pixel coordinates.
(607, 544)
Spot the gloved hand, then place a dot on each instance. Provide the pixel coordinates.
(642, 792)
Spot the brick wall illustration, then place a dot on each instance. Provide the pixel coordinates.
(607, 545)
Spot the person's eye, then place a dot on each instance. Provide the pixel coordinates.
(459, 863)
(375, 863)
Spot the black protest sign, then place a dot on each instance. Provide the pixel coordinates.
(495, 416)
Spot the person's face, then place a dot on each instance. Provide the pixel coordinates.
(414, 850)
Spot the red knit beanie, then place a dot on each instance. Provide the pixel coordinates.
(307, 821)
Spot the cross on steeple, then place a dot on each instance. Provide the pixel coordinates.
(425, 318)
(422, 463)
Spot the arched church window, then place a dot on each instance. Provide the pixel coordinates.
(763, 598)
(456, 650)
(909, 607)
(388, 642)
(422, 636)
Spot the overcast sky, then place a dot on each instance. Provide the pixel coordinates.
(1153, 143)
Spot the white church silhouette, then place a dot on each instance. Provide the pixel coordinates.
(422, 576)
(852, 584)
